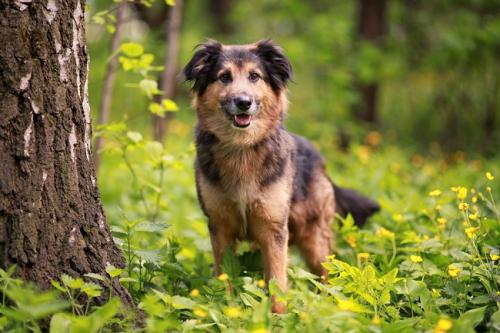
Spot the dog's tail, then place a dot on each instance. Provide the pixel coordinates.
(351, 202)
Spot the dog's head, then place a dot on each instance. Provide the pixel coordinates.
(240, 90)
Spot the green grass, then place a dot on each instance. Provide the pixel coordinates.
(419, 265)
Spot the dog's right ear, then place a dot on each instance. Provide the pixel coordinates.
(200, 68)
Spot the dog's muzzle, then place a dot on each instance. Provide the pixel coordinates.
(240, 110)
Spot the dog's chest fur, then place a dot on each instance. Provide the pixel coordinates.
(243, 173)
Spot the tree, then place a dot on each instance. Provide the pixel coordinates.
(372, 24)
(51, 217)
(168, 77)
(107, 91)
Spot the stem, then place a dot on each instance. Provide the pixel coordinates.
(158, 195)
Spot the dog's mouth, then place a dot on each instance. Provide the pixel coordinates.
(242, 120)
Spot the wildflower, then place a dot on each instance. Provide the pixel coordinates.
(489, 176)
(463, 206)
(261, 283)
(397, 217)
(455, 188)
(195, 293)
(383, 232)
(363, 256)
(462, 193)
(437, 208)
(259, 330)
(494, 256)
(200, 313)
(443, 325)
(376, 320)
(232, 312)
(351, 240)
(442, 222)
(331, 257)
(488, 189)
(303, 315)
(471, 232)
(346, 305)
(416, 259)
(223, 277)
(473, 217)
(435, 293)
(435, 193)
(453, 270)
(474, 199)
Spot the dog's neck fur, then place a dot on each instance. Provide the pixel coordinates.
(229, 165)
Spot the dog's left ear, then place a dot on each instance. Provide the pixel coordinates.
(276, 64)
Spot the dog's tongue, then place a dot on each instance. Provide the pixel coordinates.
(243, 119)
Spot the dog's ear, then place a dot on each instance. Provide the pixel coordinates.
(200, 68)
(275, 62)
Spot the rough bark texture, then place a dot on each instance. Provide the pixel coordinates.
(51, 217)
(107, 92)
(372, 17)
(168, 78)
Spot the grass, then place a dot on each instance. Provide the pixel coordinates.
(427, 262)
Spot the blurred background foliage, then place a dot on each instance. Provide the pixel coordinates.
(425, 74)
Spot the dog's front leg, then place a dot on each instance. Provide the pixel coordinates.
(273, 241)
(220, 237)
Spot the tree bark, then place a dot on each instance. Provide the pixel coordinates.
(107, 92)
(372, 24)
(169, 74)
(51, 217)
(220, 10)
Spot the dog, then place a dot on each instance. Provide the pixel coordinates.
(255, 180)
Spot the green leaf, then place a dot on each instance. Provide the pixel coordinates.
(132, 49)
(135, 137)
(230, 263)
(150, 87)
(156, 109)
(113, 271)
(179, 302)
(96, 276)
(60, 323)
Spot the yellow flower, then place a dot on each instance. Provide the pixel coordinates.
(200, 313)
(443, 325)
(436, 293)
(474, 199)
(462, 193)
(261, 283)
(416, 259)
(453, 270)
(455, 188)
(383, 232)
(442, 222)
(494, 256)
(463, 206)
(473, 217)
(363, 256)
(223, 277)
(346, 305)
(397, 217)
(232, 312)
(488, 188)
(195, 293)
(376, 320)
(331, 257)
(471, 232)
(259, 330)
(489, 176)
(303, 315)
(435, 193)
(351, 240)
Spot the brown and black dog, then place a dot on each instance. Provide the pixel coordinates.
(255, 180)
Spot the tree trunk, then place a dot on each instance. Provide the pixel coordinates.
(372, 23)
(107, 92)
(168, 78)
(220, 10)
(51, 217)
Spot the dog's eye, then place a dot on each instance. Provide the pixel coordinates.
(254, 77)
(225, 77)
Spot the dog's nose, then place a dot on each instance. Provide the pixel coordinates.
(243, 102)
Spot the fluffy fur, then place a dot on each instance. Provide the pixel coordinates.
(255, 180)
